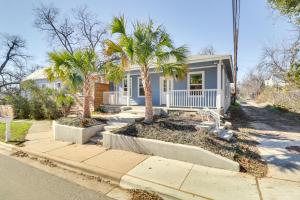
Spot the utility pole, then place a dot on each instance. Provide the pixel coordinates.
(235, 20)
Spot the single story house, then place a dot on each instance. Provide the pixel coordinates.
(40, 78)
(206, 85)
(276, 80)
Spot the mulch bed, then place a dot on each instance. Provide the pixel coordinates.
(81, 122)
(144, 195)
(176, 130)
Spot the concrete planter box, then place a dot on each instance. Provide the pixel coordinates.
(74, 134)
(169, 150)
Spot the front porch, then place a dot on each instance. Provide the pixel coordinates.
(206, 85)
(185, 99)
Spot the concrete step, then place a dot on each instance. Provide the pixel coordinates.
(97, 139)
(115, 123)
(206, 126)
(110, 128)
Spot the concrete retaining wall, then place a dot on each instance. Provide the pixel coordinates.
(74, 134)
(169, 150)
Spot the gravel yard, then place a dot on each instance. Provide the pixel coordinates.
(81, 122)
(182, 130)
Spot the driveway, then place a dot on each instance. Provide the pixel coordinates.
(279, 138)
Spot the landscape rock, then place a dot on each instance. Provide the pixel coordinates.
(228, 125)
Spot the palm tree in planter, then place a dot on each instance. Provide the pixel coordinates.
(146, 47)
(76, 71)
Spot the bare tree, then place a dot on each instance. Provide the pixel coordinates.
(279, 58)
(252, 84)
(78, 31)
(208, 50)
(12, 60)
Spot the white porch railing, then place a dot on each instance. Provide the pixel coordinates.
(114, 98)
(193, 98)
(175, 98)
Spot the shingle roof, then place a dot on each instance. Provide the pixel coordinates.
(38, 74)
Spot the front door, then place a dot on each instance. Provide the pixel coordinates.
(163, 90)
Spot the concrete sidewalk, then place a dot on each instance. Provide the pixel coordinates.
(171, 178)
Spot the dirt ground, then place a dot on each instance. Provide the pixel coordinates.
(277, 133)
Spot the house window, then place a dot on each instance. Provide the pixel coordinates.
(58, 85)
(141, 92)
(196, 83)
(43, 85)
(125, 87)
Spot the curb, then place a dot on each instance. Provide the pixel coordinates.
(6, 146)
(113, 177)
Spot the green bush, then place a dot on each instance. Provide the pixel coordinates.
(101, 109)
(64, 103)
(20, 106)
(39, 103)
(36, 109)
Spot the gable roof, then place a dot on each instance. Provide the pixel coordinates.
(226, 59)
(36, 75)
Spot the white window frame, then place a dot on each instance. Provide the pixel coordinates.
(138, 87)
(127, 86)
(188, 81)
(56, 85)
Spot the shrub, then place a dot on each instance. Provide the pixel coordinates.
(64, 103)
(20, 105)
(36, 109)
(101, 109)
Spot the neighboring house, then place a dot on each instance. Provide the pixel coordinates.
(40, 79)
(276, 80)
(206, 85)
(97, 87)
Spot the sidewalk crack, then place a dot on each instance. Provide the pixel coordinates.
(185, 177)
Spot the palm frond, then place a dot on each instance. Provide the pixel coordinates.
(118, 25)
(180, 53)
(114, 73)
(112, 48)
(175, 70)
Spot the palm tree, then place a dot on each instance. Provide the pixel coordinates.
(75, 70)
(147, 46)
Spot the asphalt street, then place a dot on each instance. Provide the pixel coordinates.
(19, 181)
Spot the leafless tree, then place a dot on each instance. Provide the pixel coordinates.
(279, 58)
(12, 60)
(78, 31)
(208, 50)
(252, 84)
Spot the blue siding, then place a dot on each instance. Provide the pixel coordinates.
(210, 82)
(210, 79)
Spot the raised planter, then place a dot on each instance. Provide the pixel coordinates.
(75, 134)
(187, 153)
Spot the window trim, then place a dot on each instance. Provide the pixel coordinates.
(56, 85)
(138, 87)
(127, 86)
(188, 80)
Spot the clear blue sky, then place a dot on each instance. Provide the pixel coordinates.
(196, 23)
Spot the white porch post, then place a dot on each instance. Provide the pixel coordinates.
(168, 93)
(223, 87)
(218, 99)
(128, 89)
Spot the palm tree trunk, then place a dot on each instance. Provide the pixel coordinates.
(148, 97)
(86, 98)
